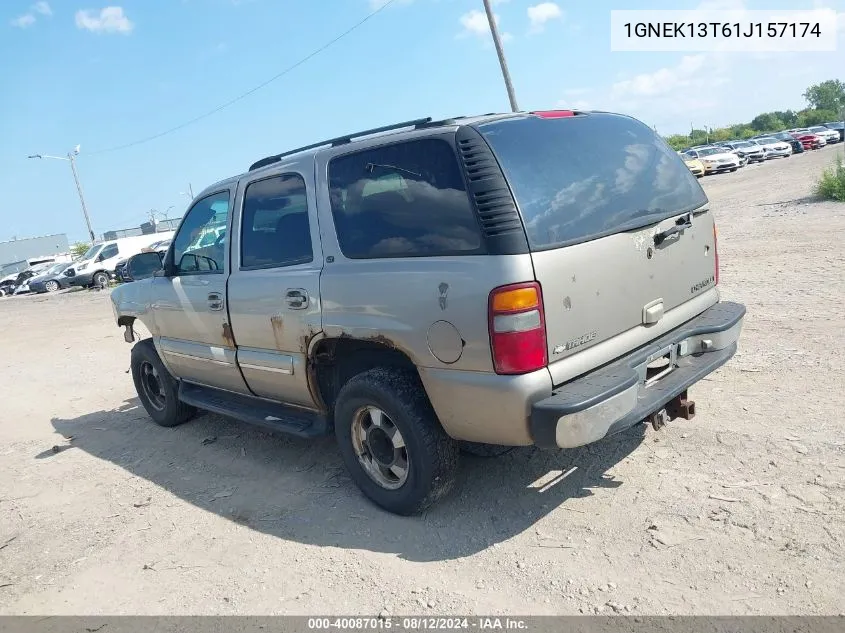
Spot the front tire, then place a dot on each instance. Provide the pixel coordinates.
(100, 280)
(391, 441)
(52, 286)
(157, 390)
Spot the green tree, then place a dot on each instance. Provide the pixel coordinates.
(79, 249)
(810, 117)
(767, 122)
(678, 141)
(788, 117)
(827, 95)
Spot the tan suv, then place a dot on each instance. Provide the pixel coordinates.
(544, 278)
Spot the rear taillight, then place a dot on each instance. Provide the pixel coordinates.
(553, 114)
(517, 328)
(716, 252)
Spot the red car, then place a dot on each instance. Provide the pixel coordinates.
(809, 141)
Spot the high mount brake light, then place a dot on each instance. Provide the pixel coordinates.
(554, 114)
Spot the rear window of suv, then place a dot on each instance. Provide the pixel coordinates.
(583, 177)
(405, 199)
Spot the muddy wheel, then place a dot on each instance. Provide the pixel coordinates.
(391, 441)
(157, 389)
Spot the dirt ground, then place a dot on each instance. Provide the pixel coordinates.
(739, 511)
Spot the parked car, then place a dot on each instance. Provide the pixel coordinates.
(786, 137)
(839, 126)
(804, 132)
(751, 151)
(511, 331)
(773, 148)
(51, 279)
(694, 165)
(714, 159)
(97, 265)
(19, 283)
(829, 136)
(810, 141)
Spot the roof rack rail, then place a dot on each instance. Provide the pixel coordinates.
(340, 140)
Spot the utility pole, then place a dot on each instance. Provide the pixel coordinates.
(71, 158)
(497, 41)
(191, 191)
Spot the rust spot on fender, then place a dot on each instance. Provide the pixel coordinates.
(227, 335)
(277, 322)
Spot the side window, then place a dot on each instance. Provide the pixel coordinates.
(275, 229)
(402, 200)
(108, 252)
(200, 244)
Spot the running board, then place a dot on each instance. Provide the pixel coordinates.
(270, 415)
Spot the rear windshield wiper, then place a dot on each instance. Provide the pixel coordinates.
(683, 222)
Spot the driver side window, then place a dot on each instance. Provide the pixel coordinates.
(200, 244)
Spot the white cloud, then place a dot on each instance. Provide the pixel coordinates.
(43, 8)
(475, 24)
(663, 81)
(541, 13)
(108, 20)
(23, 21)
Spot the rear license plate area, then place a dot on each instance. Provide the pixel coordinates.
(659, 365)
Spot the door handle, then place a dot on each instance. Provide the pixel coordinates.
(296, 298)
(215, 301)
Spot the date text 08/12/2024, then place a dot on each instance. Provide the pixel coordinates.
(419, 623)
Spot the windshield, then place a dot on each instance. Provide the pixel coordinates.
(743, 144)
(55, 268)
(767, 139)
(578, 178)
(91, 253)
(818, 128)
(710, 151)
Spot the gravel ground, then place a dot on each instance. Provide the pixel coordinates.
(738, 511)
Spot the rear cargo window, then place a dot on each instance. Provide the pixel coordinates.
(406, 199)
(583, 177)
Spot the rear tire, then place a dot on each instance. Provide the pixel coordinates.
(157, 390)
(391, 441)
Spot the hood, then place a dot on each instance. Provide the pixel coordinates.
(720, 156)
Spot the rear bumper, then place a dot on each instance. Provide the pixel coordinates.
(617, 396)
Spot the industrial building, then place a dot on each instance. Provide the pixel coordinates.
(16, 251)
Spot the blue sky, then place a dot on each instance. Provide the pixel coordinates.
(77, 72)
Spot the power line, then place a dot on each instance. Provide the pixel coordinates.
(244, 95)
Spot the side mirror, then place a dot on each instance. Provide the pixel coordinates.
(100, 257)
(143, 266)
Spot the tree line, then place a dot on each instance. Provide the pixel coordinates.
(826, 103)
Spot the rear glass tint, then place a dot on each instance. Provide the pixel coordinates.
(583, 177)
(407, 199)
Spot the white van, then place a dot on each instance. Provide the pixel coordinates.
(96, 266)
